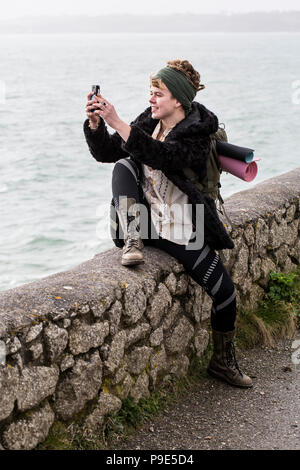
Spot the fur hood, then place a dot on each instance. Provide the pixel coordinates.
(200, 121)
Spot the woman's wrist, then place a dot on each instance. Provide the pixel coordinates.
(123, 130)
(94, 125)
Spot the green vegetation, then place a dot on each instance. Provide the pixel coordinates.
(57, 439)
(284, 287)
(277, 314)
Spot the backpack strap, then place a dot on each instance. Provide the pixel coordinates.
(219, 135)
(211, 184)
(222, 208)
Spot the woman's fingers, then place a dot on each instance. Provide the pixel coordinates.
(100, 99)
(105, 102)
(95, 98)
(98, 107)
(102, 105)
(91, 104)
(90, 108)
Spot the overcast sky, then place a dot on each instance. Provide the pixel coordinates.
(17, 8)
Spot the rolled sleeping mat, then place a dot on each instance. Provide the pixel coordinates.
(244, 171)
(243, 154)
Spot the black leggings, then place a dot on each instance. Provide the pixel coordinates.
(203, 265)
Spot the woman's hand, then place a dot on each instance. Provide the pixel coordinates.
(101, 108)
(106, 110)
(93, 118)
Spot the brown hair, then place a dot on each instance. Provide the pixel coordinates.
(185, 67)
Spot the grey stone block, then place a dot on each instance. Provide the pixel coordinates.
(80, 385)
(28, 431)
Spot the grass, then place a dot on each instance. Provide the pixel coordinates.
(277, 315)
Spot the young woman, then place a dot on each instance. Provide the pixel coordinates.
(150, 155)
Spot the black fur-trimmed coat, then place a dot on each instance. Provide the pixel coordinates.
(187, 145)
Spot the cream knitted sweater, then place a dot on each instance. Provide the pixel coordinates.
(170, 212)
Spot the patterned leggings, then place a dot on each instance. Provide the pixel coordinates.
(203, 265)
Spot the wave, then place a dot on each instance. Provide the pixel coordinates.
(40, 240)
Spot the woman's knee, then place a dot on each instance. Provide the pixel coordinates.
(125, 167)
(220, 284)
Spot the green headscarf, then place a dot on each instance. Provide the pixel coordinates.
(179, 86)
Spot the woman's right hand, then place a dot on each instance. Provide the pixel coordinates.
(93, 118)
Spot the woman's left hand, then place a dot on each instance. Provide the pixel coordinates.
(107, 111)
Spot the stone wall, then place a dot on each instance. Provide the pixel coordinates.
(81, 340)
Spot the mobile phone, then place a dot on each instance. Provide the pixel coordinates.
(95, 90)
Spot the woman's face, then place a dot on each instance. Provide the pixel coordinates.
(162, 103)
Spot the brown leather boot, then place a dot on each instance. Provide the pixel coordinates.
(223, 364)
(132, 250)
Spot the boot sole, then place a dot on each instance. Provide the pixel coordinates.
(132, 262)
(221, 377)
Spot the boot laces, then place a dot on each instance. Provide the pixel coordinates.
(133, 228)
(132, 242)
(230, 356)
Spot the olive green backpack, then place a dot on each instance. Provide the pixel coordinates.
(210, 184)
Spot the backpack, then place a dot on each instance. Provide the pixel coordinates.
(210, 184)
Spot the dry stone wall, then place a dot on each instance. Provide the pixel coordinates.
(80, 341)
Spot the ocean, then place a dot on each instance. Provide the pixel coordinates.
(54, 196)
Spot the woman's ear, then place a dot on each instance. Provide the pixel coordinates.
(177, 104)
